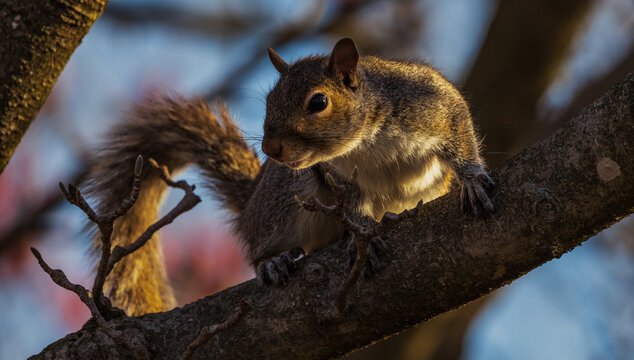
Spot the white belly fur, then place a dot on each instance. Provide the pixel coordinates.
(395, 172)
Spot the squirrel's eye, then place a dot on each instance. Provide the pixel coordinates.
(317, 103)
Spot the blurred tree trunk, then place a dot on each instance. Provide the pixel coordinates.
(38, 38)
(590, 91)
(440, 338)
(525, 46)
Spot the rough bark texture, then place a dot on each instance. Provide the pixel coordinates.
(549, 199)
(38, 38)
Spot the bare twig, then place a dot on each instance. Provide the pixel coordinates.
(209, 331)
(109, 256)
(59, 277)
(187, 203)
(364, 234)
(105, 225)
(100, 307)
(106, 228)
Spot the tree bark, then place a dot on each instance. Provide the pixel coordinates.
(549, 198)
(38, 38)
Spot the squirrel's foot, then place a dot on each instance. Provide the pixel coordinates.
(377, 255)
(476, 183)
(276, 271)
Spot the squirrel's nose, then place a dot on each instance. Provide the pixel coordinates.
(272, 147)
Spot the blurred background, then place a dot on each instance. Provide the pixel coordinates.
(526, 66)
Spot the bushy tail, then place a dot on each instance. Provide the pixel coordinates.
(176, 132)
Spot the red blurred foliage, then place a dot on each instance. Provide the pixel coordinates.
(9, 203)
(16, 196)
(71, 310)
(202, 258)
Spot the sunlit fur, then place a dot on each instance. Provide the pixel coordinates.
(407, 130)
(176, 132)
(404, 126)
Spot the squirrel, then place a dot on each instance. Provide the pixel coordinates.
(406, 129)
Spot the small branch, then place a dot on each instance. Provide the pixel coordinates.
(74, 196)
(364, 235)
(209, 331)
(110, 257)
(106, 227)
(59, 277)
(100, 307)
(189, 200)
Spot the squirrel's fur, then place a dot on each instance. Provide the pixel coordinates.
(404, 126)
(176, 132)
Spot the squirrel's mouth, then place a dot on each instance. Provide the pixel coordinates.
(301, 163)
(296, 165)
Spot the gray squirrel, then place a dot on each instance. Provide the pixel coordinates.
(405, 128)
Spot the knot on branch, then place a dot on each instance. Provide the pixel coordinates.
(314, 273)
(608, 169)
(542, 206)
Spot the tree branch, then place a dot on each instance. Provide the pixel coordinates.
(550, 198)
(38, 38)
(226, 22)
(208, 332)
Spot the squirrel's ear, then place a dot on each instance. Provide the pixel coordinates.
(344, 60)
(277, 61)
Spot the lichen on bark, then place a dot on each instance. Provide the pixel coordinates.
(38, 38)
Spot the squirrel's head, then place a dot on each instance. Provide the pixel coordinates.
(314, 113)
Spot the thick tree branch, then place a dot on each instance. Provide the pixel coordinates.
(38, 38)
(549, 199)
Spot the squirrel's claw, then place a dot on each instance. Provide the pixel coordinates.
(377, 255)
(475, 186)
(276, 271)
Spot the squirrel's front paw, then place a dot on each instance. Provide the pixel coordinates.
(276, 271)
(476, 182)
(377, 255)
